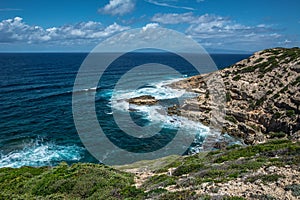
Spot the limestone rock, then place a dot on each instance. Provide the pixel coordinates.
(262, 96)
(143, 100)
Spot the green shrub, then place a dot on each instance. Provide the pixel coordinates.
(188, 168)
(284, 89)
(296, 81)
(265, 178)
(269, 92)
(276, 96)
(228, 97)
(280, 134)
(295, 188)
(262, 66)
(173, 164)
(249, 165)
(260, 76)
(237, 77)
(235, 146)
(258, 60)
(277, 115)
(248, 69)
(250, 151)
(214, 152)
(260, 101)
(186, 194)
(230, 118)
(290, 113)
(157, 191)
(132, 192)
(160, 180)
(262, 196)
(78, 181)
(234, 198)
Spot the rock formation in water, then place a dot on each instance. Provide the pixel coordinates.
(143, 100)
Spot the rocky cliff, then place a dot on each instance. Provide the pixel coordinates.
(262, 96)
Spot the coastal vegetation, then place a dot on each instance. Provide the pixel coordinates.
(200, 176)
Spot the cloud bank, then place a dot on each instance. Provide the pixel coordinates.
(213, 30)
(16, 30)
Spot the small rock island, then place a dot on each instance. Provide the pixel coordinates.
(143, 100)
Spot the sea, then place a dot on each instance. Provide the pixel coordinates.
(36, 119)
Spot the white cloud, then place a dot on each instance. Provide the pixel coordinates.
(15, 30)
(118, 7)
(150, 26)
(218, 31)
(189, 18)
(173, 18)
(164, 4)
(212, 26)
(151, 36)
(108, 31)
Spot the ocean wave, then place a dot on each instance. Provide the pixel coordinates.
(33, 87)
(38, 153)
(8, 85)
(157, 114)
(60, 94)
(159, 90)
(93, 89)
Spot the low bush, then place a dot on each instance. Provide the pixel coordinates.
(295, 188)
(237, 77)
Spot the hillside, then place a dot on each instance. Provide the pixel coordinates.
(264, 171)
(262, 96)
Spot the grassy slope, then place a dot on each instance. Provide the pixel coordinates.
(92, 181)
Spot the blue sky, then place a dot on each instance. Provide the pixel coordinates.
(218, 25)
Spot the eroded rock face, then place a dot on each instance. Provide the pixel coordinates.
(262, 96)
(143, 100)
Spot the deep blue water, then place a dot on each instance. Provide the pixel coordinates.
(36, 121)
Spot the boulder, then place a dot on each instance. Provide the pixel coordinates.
(143, 100)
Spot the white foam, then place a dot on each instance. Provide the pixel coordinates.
(38, 153)
(157, 114)
(92, 89)
(159, 90)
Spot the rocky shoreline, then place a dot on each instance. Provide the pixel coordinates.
(262, 97)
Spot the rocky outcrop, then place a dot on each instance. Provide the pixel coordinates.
(264, 171)
(262, 96)
(143, 100)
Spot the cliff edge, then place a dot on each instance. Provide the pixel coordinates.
(262, 96)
